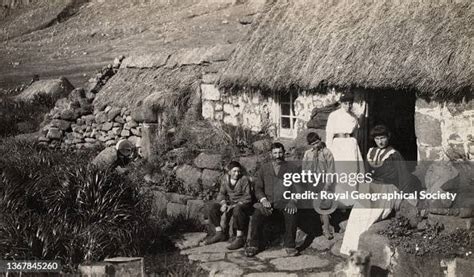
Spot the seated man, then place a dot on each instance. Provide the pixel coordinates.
(234, 198)
(269, 191)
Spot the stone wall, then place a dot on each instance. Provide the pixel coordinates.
(74, 123)
(259, 112)
(202, 175)
(444, 130)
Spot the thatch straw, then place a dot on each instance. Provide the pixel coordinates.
(130, 87)
(416, 45)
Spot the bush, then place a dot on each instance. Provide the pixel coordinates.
(31, 113)
(56, 206)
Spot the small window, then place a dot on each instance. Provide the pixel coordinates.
(287, 118)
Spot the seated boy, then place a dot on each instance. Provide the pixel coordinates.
(234, 199)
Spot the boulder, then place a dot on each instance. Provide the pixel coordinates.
(209, 161)
(50, 88)
(105, 158)
(110, 143)
(459, 267)
(113, 113)
(135, 140)
(107, 126)
(85, 109)
(189, 240)
(101, 117)
(90, 140)
(428, 129)
(190, 176)
(130, 124)
(125, 133)
(195, 209)
(438, 176)
(116, 131)
(450, 223)
(136, 131)
(159, 204)
(178, 198)
(210, 177)
(68, 114)
(321, 243)
(88, 119)
(77, 95)
(61, 124)
(175, 210)
(119, 119)
(54, 133)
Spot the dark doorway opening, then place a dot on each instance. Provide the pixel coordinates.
(396, 110)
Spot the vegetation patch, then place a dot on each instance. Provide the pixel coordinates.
(429, 239)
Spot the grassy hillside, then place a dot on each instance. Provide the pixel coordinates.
(75, 38)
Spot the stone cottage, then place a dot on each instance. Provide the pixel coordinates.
(408, 62)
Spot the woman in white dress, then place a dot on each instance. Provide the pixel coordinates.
(341, 133)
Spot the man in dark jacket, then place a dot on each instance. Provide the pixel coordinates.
(269, 190)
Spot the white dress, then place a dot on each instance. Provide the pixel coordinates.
(345, 150)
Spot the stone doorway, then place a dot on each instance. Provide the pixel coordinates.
(396, 110)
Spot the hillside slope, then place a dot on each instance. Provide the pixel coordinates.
(74, 40)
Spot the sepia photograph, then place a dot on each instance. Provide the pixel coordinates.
(279, 138)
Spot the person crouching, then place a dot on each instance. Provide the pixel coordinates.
(234, 199)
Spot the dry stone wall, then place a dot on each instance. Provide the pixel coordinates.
(258, 112)
(203, 174)
(444, 130)
(74, 123)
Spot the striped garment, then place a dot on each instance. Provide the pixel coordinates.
(377, 156)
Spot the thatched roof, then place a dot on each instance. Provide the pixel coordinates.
(426, 46)
(160, 78)
(130, 87)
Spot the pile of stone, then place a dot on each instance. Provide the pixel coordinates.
(81, 127)
(74, 123)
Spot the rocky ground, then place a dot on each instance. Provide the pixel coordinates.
(318, 260)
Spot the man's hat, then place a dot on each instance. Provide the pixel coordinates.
(125, 147)
(324, 206)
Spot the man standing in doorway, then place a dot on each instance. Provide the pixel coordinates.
(269, 191)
